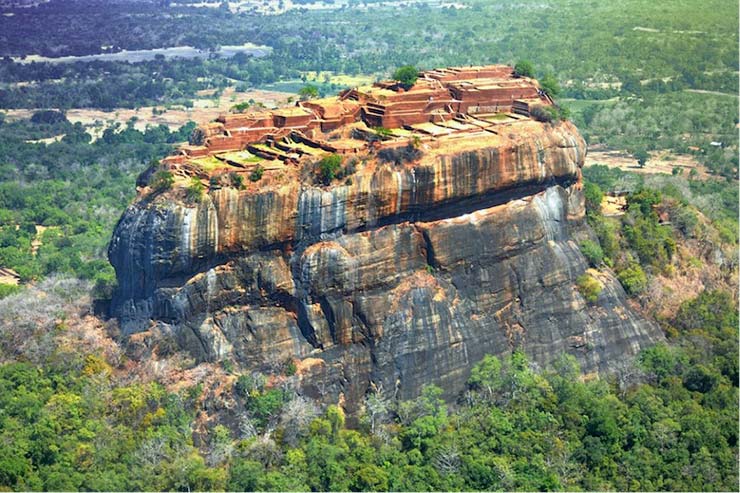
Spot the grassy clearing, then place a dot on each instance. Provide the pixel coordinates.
(338, 79)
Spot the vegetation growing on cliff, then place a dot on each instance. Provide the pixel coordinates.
(328, 168)
(549, 114)
(589, 287)
(642, 242)
(400, 155)
(80, 412)
(256, 174)
(162, 180)
(195, 190)
(524, 68)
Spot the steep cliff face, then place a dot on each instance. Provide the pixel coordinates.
(407, 275)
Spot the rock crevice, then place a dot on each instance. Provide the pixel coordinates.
(405, 276)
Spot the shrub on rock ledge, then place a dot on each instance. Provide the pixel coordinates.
(399, 155)
(256, 174)
(524, 68)
(162, 180)
(593, 252)
(548, 114)
(589, 287)
(550, 85)
(237, 180)
(195, 190)
(328, 168)
(633, 279)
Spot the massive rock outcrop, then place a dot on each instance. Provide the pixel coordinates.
(407, 275)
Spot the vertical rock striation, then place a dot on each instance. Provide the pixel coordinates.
(406, 276)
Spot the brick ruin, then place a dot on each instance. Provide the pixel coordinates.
(442, 104)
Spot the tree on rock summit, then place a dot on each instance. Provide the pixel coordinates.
(406, 75)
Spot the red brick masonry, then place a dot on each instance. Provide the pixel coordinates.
(439, 96)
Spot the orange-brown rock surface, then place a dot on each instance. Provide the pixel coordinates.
(404, 272)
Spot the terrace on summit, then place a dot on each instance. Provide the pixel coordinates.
(443, 105)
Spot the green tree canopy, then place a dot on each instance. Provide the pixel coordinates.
(641, 155)
(328, 168)
(550, 85)
(309, 91)
(406, 75)
(524, 68)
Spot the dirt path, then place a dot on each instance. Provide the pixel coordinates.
(716, 93)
